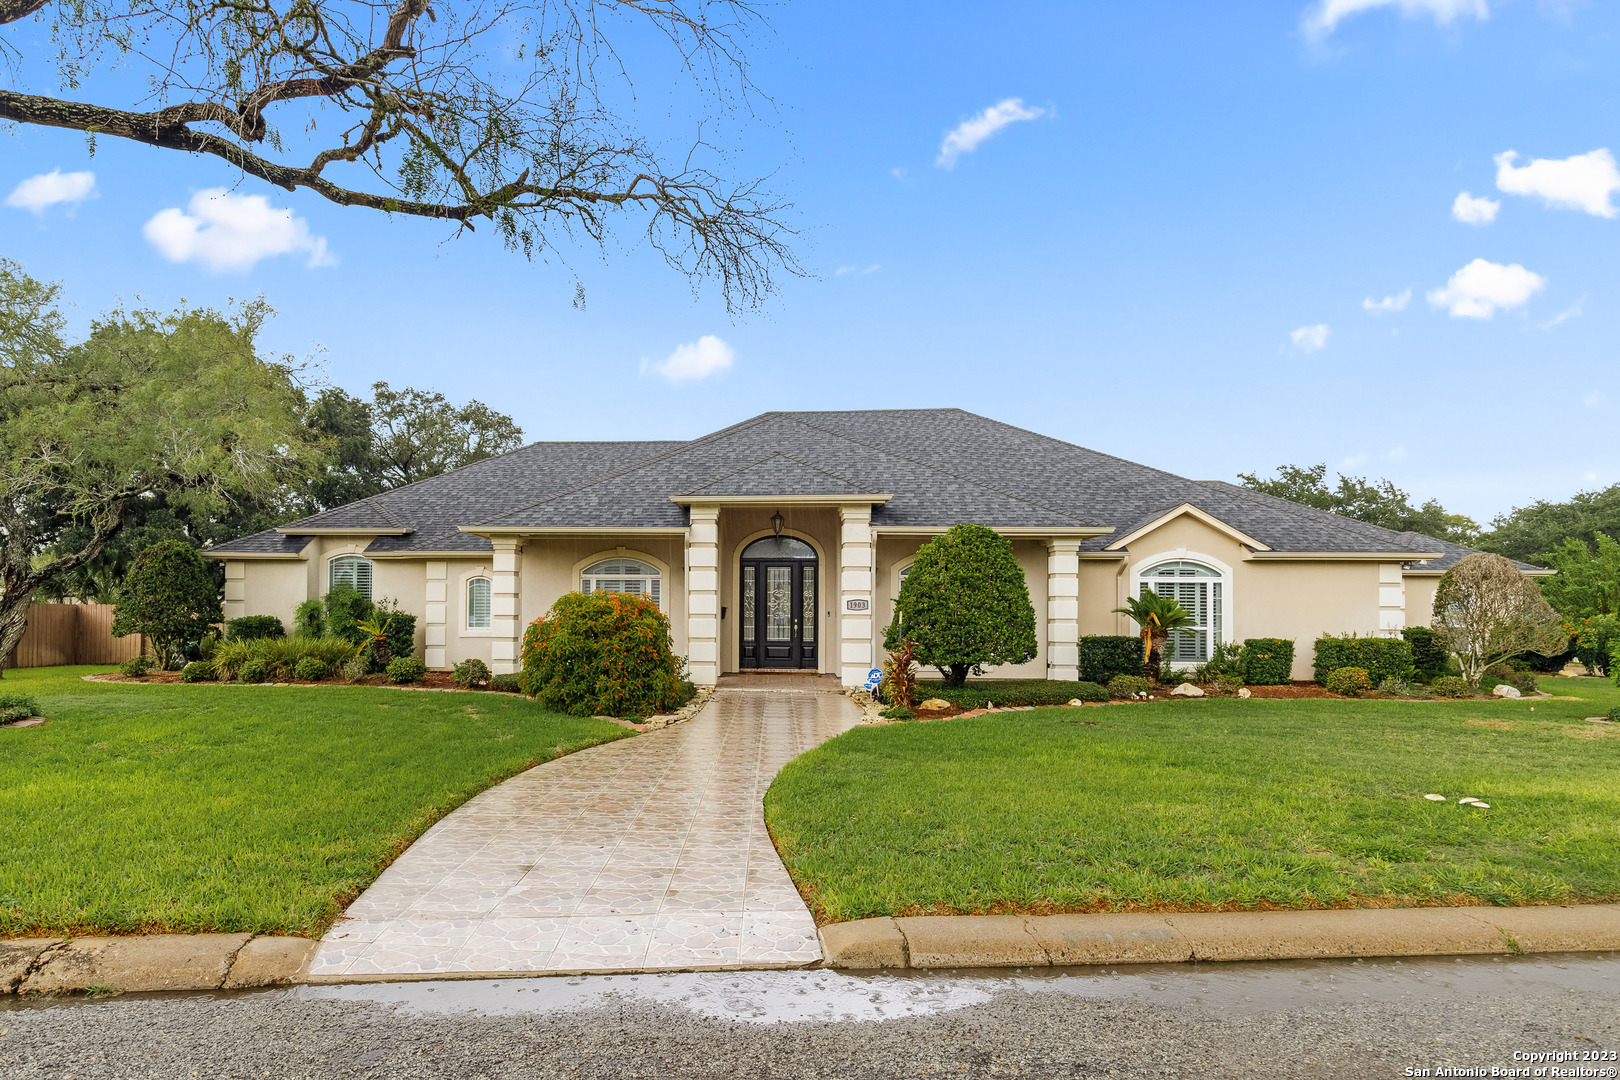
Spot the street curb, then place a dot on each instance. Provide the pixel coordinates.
(153, 962)
(967, 941)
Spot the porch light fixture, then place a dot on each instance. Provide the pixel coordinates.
(776, 523)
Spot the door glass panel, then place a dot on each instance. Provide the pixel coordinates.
(748, 604)
(779, 603)
(809, 593)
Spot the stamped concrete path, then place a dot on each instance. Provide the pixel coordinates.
(645, 853)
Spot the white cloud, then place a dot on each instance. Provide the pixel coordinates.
(1323, 18)
(1572, 312)
(47, 189)
(1396, 453)
(1397, 302)
(966, 136)
(696, 360)
(861, 270)
(232, 232)
(898, 172)
(1480, 288)
(1583, 182)
(1309, 339)
(1474, 210)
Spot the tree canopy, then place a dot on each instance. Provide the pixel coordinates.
(1527, 533)
(1587, 583)
(514, 112)
(170, 597)
(1379, 503)
(1485, 610)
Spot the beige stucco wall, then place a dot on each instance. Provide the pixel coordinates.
(1420, 589)
(551, 567)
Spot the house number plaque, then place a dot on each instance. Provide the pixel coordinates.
(857, 605)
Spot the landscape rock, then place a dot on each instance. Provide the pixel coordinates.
(934, 704)
(1243, 691)
(1186, 689)
(1503, 690)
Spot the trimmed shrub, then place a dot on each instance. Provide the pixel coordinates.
(1401, 687)
(281, 654)
(1428, 658)
(15, 706)
(1105, 655)
(197, 671)
(683, 694)
(471, 674)
(983, 692)
(1089, 691)
(253, 627)
(509, 684)
(1380, 658)
(1452, 686)
(601, 653)
(1268, 661)
(1348, 681)
(401, 634)
(311, 669)
(1121, 687)
(256, 671)
(309, 619)
(1521, 680)
(355, 668)
(406, 669)
(1224, 664)
(135, 667)
(899, 712)
(1614, 714)
(345, 607)
(169, 596)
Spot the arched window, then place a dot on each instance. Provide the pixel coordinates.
(478, 603)
(623, 575)
(1197, 588)
(353, 571)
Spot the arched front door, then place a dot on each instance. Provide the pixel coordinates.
(778, 625)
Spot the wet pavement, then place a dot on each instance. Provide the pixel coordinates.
(641, 854)
(1340, 1018)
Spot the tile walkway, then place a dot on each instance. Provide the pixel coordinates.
(643, 854)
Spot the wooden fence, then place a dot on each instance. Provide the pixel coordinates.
(72, 634)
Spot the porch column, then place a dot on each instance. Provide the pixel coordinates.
(506, 607)
(435, 634)
(703, 596)
(1063, 609)
(855, 593)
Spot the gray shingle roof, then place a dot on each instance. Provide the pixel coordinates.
(942, 467)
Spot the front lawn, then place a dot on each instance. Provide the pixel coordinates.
(1218, 802)
(188, 808)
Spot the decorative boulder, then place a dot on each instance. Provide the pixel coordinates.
(1076, 701)
(1186, 689)
(1243, 691)
(1504, 690)
(934, 704)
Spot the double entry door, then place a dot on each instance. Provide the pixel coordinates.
(778, 624)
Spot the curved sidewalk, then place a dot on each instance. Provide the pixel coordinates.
(643, 854)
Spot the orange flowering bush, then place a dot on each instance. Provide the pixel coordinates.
(603, 654)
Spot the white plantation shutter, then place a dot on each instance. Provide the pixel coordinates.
(351, 570)
(1195, 587)
(478, 604)
(624, 576)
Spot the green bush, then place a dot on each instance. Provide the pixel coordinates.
(506, 684)
(1452, 686)
(16, 706)
(355, 668)
(135, 667)
(1105, 655)
(1121, 687)
(1399, 687)
(899, 712)
(406, 669)
(345, 607)
(1268, 661)
(256, 671)
(1428, 658)
(1348, 681)
(1614, 714)
(601, 654)
(309, 619)
(197, 671)
(983, 692)
(1381, 658)
(1596, 640)
(401, 634)
(684, 693)
(253, 627)
(169, 596)
(470, 674)
(311, 669)
(281, 654)
(1520, 679)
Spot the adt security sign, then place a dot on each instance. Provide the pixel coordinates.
(873, 678)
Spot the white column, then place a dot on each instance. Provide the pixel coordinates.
(506, 607)
(236, 589)
(1391, 600)
(435, 633)
(855, 593)
(1063, 609)
(703, 596)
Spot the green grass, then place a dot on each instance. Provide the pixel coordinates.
(1211, 803)
(981, 692)
(189, 808)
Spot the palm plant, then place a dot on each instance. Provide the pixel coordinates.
(375, 626)
(1158, 616)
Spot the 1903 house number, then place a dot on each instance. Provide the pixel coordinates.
(857, 605)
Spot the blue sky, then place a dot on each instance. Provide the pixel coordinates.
(1141, 258)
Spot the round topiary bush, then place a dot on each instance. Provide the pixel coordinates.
(1451, 686)
(197, 671)
(256, 671)
(602, 653)
(506, 684)
(1121, 687)
(135, 667)
(406, 669)
(311, 669)
(471, 674)
(1348, 681)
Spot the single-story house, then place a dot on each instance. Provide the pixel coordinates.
(781, 542)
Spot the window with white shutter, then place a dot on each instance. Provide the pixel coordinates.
(623, 576)
(353, 571)
(478, 603)
(1197, 588)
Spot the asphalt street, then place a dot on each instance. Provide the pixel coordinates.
(1306, 1019)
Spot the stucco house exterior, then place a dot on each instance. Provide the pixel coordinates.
(781, 542)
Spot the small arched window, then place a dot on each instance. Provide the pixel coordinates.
(1197, 588)
(478, 603)
(353, 571)
(624, 576)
